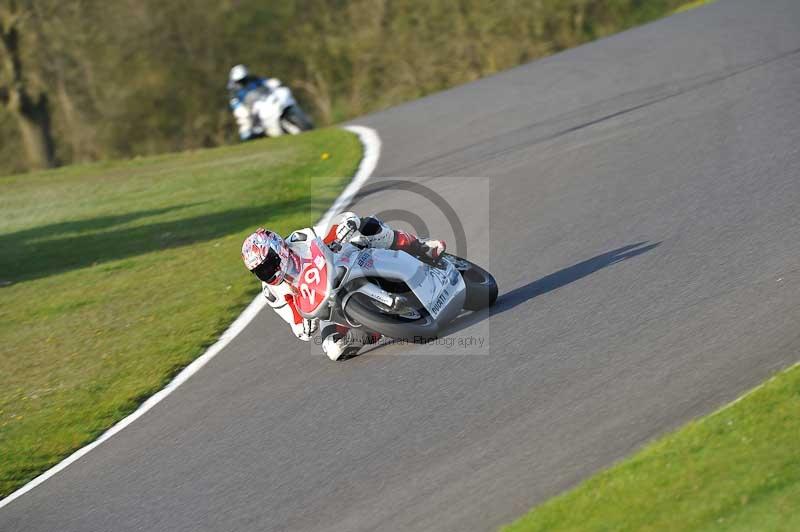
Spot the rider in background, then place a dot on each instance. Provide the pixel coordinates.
(240, 84)
(278, 262)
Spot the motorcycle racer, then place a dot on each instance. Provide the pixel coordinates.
(240, 84)
(277, 263)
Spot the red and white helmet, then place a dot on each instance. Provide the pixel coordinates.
(266, 255)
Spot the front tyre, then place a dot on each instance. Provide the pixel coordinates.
(415, 326)
(481, 285)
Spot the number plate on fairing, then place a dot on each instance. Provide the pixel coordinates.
(313, 281)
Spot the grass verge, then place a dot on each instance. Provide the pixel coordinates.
(692, 5)
(735, 470)
(115, 276)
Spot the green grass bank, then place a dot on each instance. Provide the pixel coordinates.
(114, 276)
(735, 470)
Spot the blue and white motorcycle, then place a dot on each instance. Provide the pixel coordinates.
(270, 110)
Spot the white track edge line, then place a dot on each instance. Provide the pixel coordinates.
(372, 151)
(371, 143)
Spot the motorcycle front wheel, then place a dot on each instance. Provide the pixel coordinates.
(408, 325)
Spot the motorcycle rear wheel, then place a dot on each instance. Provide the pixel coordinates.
(481, 285)
(298, 118)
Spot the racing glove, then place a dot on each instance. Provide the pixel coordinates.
(347, 226)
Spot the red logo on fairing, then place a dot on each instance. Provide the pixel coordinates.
(313, 281)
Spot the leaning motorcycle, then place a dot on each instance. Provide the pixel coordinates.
(276, 111)
(390, 292)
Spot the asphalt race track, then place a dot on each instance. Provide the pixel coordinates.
(637, 199)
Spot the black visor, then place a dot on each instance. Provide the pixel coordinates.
(267, 270)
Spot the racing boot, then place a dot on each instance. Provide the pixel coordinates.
(341, 343)
(376, 234)
(419, 247)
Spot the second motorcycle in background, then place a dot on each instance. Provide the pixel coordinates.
(264, 107)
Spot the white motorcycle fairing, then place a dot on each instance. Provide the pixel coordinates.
(269, 109)
(440, 290)
(329, 280)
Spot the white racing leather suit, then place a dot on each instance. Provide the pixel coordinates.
(249, 126)
(338, 341)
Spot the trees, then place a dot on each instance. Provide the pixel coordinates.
(136, 77)
(18, 92)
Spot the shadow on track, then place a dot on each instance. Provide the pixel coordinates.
(551, 282)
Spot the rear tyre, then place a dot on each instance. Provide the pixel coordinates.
(481, 285)
(296, 117)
